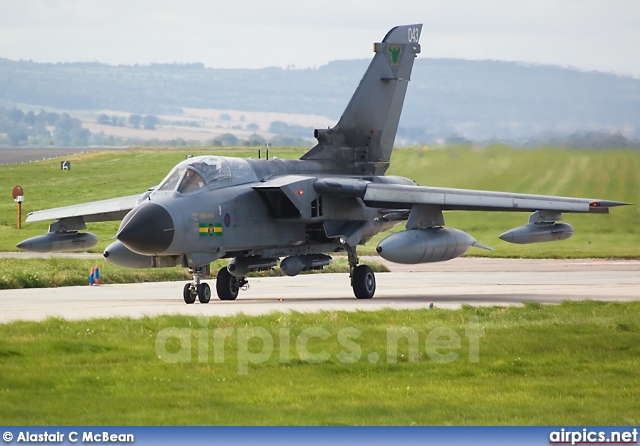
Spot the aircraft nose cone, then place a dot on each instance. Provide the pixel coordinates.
(148, 229)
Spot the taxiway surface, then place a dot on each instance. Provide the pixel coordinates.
(450, 284)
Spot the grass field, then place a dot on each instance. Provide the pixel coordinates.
(576, 363)
(57, 272)
(595, 174)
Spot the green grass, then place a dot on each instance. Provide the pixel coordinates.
(60, 271)
(577, 363)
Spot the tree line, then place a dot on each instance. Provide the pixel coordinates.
(28, 128)
(148, 122)
(41, 129)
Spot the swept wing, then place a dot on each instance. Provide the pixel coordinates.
(450, 199)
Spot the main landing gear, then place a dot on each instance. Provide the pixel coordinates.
(363, 280)
(227, 286)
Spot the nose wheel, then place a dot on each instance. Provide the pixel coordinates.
(198, 289)
(201, 291)
(188, 294)
(204, 293)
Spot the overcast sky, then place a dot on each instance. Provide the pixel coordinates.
(586, 34)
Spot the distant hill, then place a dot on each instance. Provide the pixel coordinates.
(447, 98)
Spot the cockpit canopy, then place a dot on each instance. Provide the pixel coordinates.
(194, 173)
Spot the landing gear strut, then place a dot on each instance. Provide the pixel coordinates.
(363, 280)
(228, 285)
(196, 288)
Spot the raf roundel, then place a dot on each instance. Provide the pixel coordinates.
(227, 220)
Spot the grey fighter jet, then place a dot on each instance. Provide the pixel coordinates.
(258, 212)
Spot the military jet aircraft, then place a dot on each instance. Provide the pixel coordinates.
(336, 197)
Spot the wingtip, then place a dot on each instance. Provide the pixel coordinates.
(608, 204)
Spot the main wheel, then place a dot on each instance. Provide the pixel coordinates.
(227, 286)
(204, 293)
(363, 282)
(188, 296)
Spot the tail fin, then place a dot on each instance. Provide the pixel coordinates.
(362, 141)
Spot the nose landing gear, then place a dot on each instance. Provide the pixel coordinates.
(198, 289)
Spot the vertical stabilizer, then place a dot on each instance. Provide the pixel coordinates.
(362, 141)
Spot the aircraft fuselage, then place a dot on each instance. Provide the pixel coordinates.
(259, 208)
